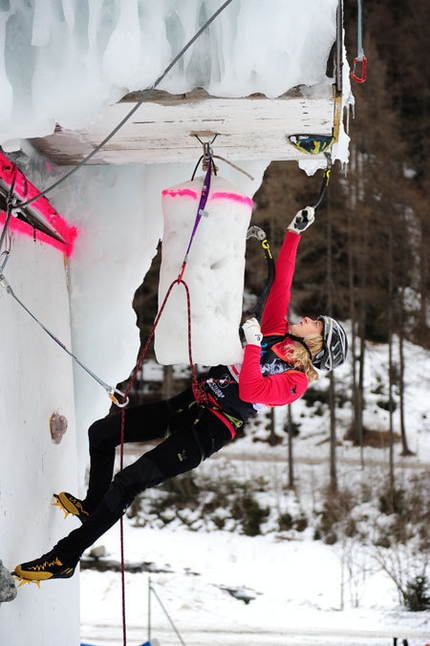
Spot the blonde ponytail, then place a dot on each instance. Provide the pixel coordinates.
(299, 357)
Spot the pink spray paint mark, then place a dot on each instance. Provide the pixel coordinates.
(41, 208)
(180, 192)
(234, 197)
(216, 195)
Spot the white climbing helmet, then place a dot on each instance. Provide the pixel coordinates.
(335, 345)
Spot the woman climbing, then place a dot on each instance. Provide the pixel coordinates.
(279, 363)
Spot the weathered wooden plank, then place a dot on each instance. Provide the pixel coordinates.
(162, 129)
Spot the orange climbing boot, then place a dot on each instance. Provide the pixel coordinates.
(71, 505)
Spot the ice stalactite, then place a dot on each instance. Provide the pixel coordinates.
(64, 62)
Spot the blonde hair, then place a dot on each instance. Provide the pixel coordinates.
(298, 356)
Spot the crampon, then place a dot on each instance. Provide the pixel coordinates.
(71, 505)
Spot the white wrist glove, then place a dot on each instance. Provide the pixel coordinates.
(252, 331)
(302, 220)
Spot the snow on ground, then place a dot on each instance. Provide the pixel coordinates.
(293, 582)
(295, 585)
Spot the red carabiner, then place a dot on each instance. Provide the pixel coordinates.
(357, 61)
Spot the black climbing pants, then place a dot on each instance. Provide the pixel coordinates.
(193, 434)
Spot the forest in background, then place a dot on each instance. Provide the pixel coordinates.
(366, 258)
(368, 249)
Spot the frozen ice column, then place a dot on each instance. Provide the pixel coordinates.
(214, 273)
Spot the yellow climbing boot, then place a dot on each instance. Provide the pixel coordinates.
(48, 566)
(71, 505)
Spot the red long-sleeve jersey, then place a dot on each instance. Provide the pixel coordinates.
(286, 387)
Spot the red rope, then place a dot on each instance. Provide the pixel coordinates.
(198, 394)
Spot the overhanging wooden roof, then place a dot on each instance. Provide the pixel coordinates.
(162, 129)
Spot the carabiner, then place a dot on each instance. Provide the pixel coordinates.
(256, 232)
(111, 392)
(359, 60)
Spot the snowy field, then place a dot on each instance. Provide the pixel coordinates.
(296, 586)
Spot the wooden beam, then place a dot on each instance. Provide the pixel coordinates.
(162, 129)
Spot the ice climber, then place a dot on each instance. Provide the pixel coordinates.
(279, 362)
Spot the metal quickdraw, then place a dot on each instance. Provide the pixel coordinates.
(207, 151)
(359, 78)
(359, 71)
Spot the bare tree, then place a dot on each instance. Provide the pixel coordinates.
(290, 447)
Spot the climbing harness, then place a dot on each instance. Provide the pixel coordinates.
(359, 71)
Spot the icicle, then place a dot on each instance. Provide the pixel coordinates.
(6, 91)
(43, 23)
(125, 38)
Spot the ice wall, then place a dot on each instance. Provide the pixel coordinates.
(36, 380)
(61, 62)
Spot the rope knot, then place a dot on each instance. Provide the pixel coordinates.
(200, 395)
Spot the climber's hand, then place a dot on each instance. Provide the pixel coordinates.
(302, 220)
(252, 331)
